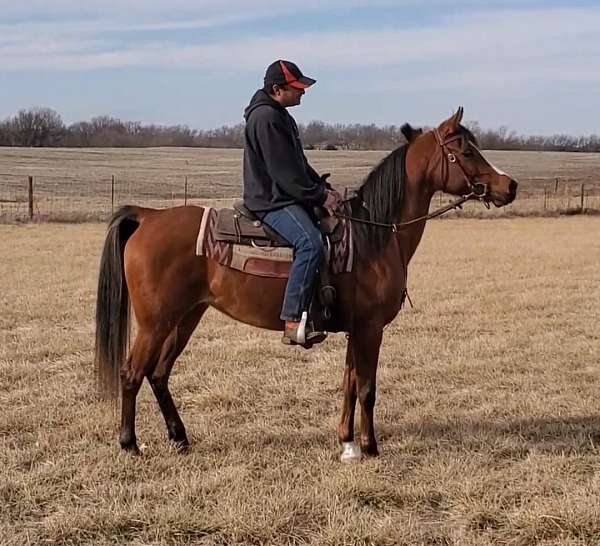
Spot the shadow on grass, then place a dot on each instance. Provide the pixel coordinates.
(547, 434)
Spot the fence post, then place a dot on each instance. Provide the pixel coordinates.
(30, 185)
(545, 198)
(112, 194)
(555, 185)
(582, 197)
(185, 191)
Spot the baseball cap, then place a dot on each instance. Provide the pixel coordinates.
(287, 73)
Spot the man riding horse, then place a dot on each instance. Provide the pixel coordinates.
(282, 189)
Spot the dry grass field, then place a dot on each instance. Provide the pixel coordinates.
(75, 184)
(488, 407)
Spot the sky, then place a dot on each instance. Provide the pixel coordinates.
(530, 65)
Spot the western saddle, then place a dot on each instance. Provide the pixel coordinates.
(241, 226)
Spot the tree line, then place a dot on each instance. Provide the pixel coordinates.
(38, 127)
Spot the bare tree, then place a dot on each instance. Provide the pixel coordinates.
(37, 127)
(44, 127)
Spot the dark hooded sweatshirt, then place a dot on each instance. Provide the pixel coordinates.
(276, 172)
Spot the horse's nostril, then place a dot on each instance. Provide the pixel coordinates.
(512, 187)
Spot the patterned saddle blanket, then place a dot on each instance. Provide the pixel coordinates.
(266, 261)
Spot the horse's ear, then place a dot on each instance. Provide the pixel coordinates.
(459, 115)
(451, 124)
(410, 133)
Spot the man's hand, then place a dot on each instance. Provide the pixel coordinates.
(332, 201)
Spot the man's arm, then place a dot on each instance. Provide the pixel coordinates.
(283, 164)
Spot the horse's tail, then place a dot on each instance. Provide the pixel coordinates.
(112, 305)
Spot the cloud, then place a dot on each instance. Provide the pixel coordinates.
(495, 52)
(491, 38)
(136, 10)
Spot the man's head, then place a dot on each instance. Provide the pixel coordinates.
(285, 83)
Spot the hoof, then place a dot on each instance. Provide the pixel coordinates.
(131, 448)
(350, 452)
(370, 450)
(182, 446)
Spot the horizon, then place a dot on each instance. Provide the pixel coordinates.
(526, 66)
(468, 123)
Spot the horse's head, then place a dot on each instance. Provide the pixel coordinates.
(458, 167)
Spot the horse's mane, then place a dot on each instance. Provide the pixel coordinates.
(381, 195)
(379, 199)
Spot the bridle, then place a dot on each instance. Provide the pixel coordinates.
(479, 190)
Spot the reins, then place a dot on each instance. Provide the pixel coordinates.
(396, 226)
(478, 192)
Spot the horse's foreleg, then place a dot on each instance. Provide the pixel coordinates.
(350, 451)
(144, 355)
(159, 377)
(366, 344)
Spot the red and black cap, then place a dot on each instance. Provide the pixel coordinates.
(287, 73)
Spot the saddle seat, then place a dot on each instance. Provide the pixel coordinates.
(241, 226)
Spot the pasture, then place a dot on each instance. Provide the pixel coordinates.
(488, 406)
(76, 184)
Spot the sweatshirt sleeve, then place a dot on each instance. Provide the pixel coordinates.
(285, 167)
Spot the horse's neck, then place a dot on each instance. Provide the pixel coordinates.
(404, 242)
(417, 198)
(416, 204)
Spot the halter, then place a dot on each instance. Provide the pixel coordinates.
(478, 191)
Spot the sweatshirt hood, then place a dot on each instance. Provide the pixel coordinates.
(260, 98)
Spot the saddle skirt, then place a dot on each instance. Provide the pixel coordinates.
(262, 258)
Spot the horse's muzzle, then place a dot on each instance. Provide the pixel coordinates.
(503, 199)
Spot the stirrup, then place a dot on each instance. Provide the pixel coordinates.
(303, 336)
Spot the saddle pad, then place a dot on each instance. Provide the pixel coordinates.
(274, 262)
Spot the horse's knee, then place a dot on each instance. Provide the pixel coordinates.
(367, 395)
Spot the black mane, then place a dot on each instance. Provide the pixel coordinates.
(381, 195)
(469, 134)
(379, 199)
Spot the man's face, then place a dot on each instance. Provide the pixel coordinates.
(286, 95)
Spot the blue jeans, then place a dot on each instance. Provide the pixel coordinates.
(295, 225)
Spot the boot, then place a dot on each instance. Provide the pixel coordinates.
(301, 333)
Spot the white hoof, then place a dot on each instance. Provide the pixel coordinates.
(350, 452)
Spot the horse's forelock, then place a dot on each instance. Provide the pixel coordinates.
(469, 134)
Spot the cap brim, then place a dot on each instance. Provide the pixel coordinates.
(302, 83)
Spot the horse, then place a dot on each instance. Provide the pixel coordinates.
(149, 263)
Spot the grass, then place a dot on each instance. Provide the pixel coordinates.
(487, 410)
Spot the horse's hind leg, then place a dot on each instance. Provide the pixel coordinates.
(159, 376)
(143, 356)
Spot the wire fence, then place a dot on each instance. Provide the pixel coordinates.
(73, 199)
(52, 198)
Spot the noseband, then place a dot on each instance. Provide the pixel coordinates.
(478, 190)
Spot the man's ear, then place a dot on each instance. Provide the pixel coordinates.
(409, 132)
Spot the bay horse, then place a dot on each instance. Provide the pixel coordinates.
(149, 262)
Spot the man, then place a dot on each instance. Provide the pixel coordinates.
(282, 189)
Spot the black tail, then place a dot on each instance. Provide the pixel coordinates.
(112, 305)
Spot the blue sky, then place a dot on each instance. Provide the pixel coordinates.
(530, 65)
